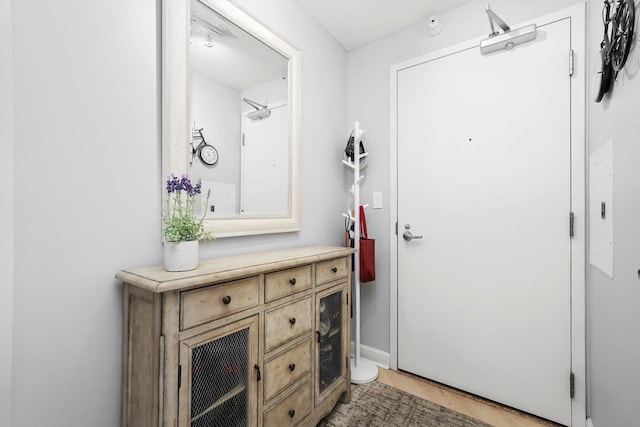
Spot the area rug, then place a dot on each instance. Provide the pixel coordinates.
(376, 404)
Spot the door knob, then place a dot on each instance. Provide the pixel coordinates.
(409, 236)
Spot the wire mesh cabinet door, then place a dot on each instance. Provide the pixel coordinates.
(331, 348)
(219, 372)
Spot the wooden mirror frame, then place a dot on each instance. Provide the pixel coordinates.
(176, 130)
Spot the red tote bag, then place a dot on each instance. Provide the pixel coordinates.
(367, 252)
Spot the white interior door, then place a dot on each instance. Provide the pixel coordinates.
(265, 164)
(484, 175)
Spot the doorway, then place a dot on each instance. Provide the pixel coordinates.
(264, 164)
(489, 157)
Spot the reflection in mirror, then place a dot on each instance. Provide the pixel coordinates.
(231, 115)
(240, 145)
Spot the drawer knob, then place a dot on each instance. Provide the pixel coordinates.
(292, 320)
(292, 367)
(226, 300)
(292, 412)
(292, 281)
(334, 269)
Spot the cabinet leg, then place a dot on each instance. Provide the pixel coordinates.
(346, 395)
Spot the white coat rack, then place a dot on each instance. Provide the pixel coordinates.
(362, 370)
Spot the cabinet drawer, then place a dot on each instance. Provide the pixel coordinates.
(333, 269)
(213, 302)
(292, 410)
(287, 282)
(286, 369)
(287, 322)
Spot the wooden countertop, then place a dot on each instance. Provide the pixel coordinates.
(156, 279)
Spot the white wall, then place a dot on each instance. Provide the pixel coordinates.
(88, 179)
(216, 108)
(368, 86)
(7, 215)
(614, 304)
(87, 199)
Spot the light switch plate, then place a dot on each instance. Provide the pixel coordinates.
(377, 200)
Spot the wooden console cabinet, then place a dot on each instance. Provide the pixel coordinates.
(252, 340)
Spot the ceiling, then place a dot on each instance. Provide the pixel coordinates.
(248, 62)
(233, 56)
(354, 23)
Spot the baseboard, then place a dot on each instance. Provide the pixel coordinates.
(378, 357)
(590, 422)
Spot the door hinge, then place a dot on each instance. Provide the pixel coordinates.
(572, 385)
(571, 221)
(396, 228)
(243, 139)
(179, 376)
(571, 62)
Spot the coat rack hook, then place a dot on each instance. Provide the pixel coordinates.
(349, 164)
(348, 217)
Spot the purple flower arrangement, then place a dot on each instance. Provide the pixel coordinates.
(180, 224)
(175, 185)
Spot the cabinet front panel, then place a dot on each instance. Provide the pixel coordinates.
(286, 369)
(334, 269)
(219, 376)
(287, 322)
(292, 409)
(213, 302)
(287, 282)
(142, 399)
(332, 346)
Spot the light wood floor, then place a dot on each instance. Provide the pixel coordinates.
(473, 406)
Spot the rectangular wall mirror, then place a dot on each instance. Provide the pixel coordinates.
(231, 116)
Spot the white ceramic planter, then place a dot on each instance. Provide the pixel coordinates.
(181, 256)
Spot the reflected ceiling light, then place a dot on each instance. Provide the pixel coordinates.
(208, 42)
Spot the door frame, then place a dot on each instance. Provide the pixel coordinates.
(577, 14)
